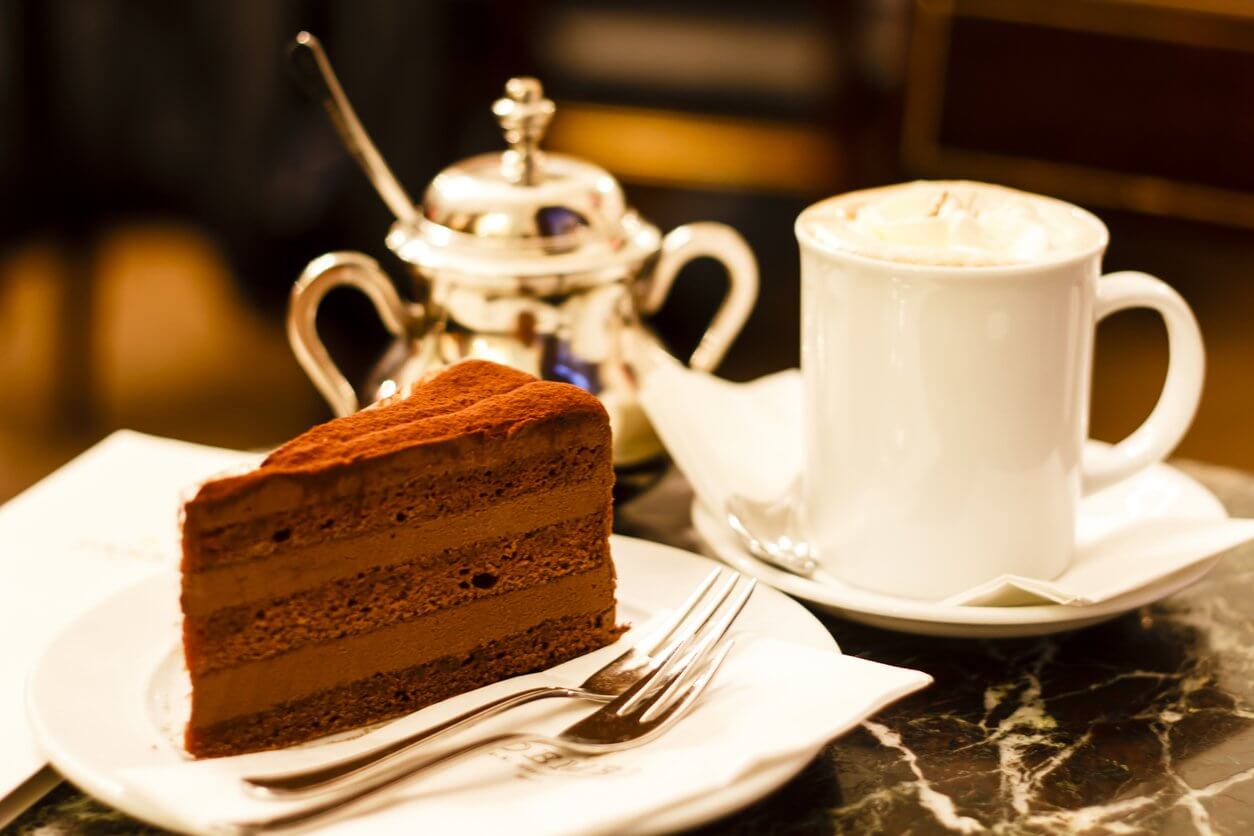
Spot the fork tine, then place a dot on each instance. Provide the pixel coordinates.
(704, 610)
(658, 636)
(693, 648)
(675, 700)
(692, 624)
(661, 669)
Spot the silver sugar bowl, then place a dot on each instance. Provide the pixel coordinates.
(526, 258)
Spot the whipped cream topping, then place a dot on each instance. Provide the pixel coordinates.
(951, 223)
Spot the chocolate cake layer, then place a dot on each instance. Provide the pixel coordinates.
(392, 546)
(540, 413)
(391, 694)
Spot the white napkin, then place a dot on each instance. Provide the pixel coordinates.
(98, 524)
(726, 438)
(1116, 562)
(746, 438)
(772, 699)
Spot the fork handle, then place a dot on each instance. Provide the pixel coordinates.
(305, 782)
(348, 801)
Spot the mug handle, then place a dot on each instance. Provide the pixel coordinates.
(720, 242)
(325, 273)
(1154, 440)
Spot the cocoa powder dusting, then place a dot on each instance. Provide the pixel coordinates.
(473, 397)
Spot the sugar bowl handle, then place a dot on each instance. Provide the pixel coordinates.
(724, 244)
(325, 273)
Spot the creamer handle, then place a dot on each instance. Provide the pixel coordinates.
(720, 242)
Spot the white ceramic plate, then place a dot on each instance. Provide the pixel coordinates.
(1160, 490)
(104, 696)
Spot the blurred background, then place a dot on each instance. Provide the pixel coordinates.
(165, 181)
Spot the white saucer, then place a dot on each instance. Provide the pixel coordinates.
(1158, 491)
(101, 700)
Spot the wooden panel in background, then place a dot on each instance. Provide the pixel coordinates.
(1128, 104)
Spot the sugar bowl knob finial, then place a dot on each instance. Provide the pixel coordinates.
(524, 114)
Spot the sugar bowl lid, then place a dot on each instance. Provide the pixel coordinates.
(524, 212)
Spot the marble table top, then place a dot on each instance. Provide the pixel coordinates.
(1143, 724)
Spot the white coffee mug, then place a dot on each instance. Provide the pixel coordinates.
(947, 407)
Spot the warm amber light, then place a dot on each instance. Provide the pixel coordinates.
(657, 146)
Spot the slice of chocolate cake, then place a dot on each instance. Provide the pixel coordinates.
(387, 560)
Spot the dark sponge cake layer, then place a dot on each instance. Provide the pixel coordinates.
(378, 547)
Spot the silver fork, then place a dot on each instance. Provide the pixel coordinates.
(701, 610)
(643, 712)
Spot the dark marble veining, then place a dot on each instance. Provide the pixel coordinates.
(1143, 724)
